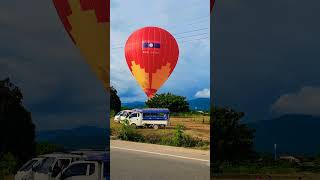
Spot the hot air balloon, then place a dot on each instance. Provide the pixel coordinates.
(152, 54)
(87, 22)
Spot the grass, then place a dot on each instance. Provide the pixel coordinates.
(196, 132)
(276, 170)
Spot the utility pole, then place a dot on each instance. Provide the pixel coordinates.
(275, 152)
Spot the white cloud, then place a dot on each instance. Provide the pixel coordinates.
(305, 101)
(204, 93)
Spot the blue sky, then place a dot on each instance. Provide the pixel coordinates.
(191, 77)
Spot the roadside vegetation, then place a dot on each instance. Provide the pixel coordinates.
(171, 137)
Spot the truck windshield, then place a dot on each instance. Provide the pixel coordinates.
(45, 165)
(134, 115)
(28, 165)
(119, 113)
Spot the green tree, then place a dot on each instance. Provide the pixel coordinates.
(115, 102)
(232, 140)
(167, 100)
(17, 132)
(47, 148)
(8, 164)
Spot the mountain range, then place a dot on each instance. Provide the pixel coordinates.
(195, 104)
(293, 134)
(85, 137)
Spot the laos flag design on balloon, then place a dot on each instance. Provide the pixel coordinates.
(152, 54)
(87, 22)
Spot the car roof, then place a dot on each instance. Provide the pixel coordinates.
(98, 156)
(60, 155)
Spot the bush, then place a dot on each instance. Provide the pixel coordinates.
(128, 133)
(8, 165)
(178, 138)
(182, 140)
(47, 148)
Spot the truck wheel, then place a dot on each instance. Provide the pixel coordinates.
(155, 126)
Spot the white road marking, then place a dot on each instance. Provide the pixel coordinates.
(162, 154)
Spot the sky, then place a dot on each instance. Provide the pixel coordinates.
(266, 57)
(189, 22)
(59, 88)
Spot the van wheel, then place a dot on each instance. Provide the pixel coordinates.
(155, 127)
(134, 126)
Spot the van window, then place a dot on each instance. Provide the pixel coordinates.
(60, 165)
(76, 170)
(119, 113)
(91, 169)
(28, 165)
(134, 115)
(45, 165)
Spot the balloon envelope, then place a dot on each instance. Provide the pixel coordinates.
(152, 54)
(87, 22)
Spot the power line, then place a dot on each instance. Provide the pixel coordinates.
(191, 36)
(195, 21)
(191, 31)
(191, 40)
(185, 32)
(194, 40)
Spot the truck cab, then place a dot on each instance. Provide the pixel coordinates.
(25, 172)
(120, 116)
(94, 167)
(150, 117)
(53, 164)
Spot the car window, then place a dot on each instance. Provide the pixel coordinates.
(119, 113)
(134, 115)
(59, 166)
(75, 170)
(65, 162)
(45, 165)
(91, 169)
(27, 166)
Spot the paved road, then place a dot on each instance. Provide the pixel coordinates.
(135, 161)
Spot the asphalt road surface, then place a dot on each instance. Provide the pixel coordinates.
(136, 161)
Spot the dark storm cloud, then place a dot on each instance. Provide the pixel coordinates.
(35, 52)
(263, 50)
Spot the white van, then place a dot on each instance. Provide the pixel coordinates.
(150, 117)
(94, 167)
(52, 165)
(120, 116)
(25, 172)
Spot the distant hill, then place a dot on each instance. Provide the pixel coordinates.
(195, 104)
(294, 134)
(135, 104)
(200, 104)
(86, 137)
